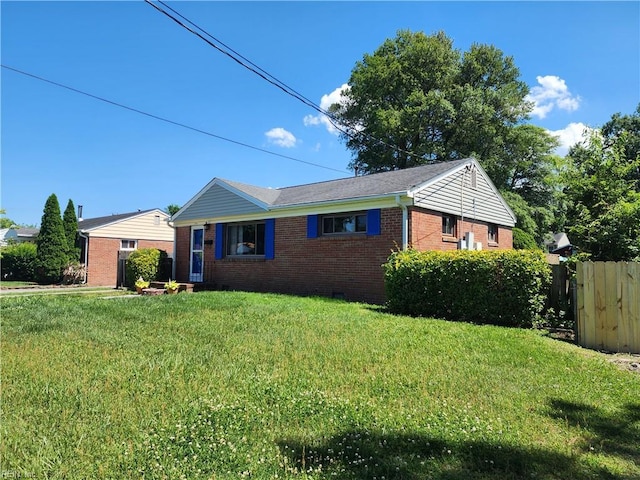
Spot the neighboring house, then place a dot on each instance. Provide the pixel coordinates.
(331, 238)
(106, 242)
(18, 235)
(560, 245)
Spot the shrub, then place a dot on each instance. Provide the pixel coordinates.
(505, 287)
(523, 240)
(74, 273)
(18, 262)
(145, 263)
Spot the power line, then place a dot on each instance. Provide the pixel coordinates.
(166, 120)
(249, 65)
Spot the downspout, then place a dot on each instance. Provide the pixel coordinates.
(174, 253)
(86, 256)
(405, 223)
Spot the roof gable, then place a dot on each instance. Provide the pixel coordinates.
(222, 198)
(453, 192)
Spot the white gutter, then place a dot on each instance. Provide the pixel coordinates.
(405, 223)
(86, 256)
(175, 241)
(328, 203)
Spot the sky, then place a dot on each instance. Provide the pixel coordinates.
(581, 61)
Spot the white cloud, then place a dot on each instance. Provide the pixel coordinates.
(569, 136)
(551, 92)
(325, 102)
(281, 137)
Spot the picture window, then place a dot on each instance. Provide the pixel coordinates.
(245, 239)
(344, 224)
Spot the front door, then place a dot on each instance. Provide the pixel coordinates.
(197, 254)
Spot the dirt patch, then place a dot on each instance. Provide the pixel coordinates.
(627, 362)
(624, 361)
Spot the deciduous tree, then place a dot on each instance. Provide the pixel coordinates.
(416, 100)
(604, 197)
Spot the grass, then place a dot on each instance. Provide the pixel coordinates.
(16, 284)
(221, 385)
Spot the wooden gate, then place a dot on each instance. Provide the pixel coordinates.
(608, 306)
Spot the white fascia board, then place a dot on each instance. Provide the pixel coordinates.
(316, 208)
(353, 200)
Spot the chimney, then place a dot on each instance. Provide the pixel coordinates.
(79, 213)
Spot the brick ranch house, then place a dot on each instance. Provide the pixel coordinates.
(106, 242)
(331, 238)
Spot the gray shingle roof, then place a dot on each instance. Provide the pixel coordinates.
(385, 183)
(27, 232)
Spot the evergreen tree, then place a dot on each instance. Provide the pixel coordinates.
(70, 221)
(51, 257)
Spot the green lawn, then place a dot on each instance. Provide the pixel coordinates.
(221, 385)
(16, 284)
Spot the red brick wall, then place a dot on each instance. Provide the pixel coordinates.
(337, 265)
(102, 261)
(426, 232)
(327, 265)
(183, 250)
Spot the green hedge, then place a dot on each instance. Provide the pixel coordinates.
(523, 240)
(18, 261)
(506, 287)
(146, 263)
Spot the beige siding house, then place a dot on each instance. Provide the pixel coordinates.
(107, 242)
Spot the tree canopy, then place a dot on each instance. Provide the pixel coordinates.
(172, 209)
(603, 193)
(4, 221)
(416, 100)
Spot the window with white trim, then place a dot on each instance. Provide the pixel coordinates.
(128, 244)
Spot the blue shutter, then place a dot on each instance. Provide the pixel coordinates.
(373, 221)
(312, 226)
(269, 239)
(219, 241)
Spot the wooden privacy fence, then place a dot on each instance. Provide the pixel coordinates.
(608, 306)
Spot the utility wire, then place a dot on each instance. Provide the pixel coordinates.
(249, 65)
(166, 120)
